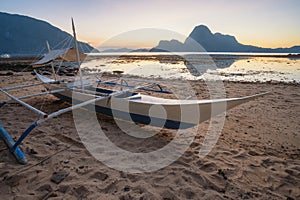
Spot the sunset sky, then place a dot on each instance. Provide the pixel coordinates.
(265, 23)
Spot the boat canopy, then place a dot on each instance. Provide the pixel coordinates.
(60, 55)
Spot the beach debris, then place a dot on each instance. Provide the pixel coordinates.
(118, 72)
(100, 176)
(13, 181)
(46, 187)
(81, 192)
(63, 188)
(9, 73)
(289, 198)
(31, 151)
(222, 173)
(126, 188)
(66, 161)
(58, 177)
(126, 197)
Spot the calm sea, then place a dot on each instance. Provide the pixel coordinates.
(250, 67)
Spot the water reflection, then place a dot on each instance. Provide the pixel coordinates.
(197, 65)
(193, 67)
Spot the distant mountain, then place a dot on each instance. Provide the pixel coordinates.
(121, 50)
(216, 42)
(25, 35)
(116, 50)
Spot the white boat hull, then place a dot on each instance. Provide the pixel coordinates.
(154, 111)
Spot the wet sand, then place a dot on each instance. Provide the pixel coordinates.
(256, 157)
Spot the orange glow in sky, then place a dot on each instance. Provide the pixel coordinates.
(264, 23)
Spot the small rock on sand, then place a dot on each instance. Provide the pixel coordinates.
(58, 177)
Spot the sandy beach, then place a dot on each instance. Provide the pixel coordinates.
(256, 157)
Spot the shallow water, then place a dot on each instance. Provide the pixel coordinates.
(262, 69)
(199, 66)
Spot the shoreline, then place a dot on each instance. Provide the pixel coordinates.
(130, 53)
(158, 56)
(8, 72)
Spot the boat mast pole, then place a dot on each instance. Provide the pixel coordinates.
(77, 53)
(53, 71)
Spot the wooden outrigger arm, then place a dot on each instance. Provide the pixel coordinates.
(123, 83)
(32, 95)
(24, 104)
(14, 145)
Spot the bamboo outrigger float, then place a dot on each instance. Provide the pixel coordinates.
(110, 102)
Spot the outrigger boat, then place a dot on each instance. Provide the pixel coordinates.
(178, 114)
